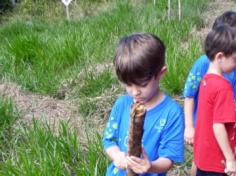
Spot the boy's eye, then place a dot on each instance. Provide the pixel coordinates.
(143, 84)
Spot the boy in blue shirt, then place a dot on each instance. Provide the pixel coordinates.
(191, 88)
(140, 64)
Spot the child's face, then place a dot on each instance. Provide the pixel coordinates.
(229, 63)
(145, 92)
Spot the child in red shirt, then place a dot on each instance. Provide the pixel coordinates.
(215, 135)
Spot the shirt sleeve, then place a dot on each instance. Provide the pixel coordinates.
(195, 75)
(234, 84)
(224, 107)
(172, 142)
(231, 77)
(234, 92)
(110, 136)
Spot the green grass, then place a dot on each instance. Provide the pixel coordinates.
(36, 150)
(39, 55)
(7, 113)
(8, 116)
(94, 85)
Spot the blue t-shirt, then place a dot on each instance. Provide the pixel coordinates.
(162, 137)
(195, 75)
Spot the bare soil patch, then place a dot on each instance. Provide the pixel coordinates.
(44, 108)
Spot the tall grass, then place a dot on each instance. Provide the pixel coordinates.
(94, 85)
(8, 116)
(39, 55)
(36, 150)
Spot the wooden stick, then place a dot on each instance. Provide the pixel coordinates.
(135, 133)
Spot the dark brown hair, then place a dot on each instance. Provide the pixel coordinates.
(228, 17)
(221, 39)
(138, 58)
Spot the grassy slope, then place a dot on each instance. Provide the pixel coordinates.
(41, 55)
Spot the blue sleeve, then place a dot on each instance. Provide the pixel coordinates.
(110, 136)
(234, 84)
(172, 142)
(234, 87)
(195, 75)
(231, 77)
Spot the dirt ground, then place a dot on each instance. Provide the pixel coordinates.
(44, 108)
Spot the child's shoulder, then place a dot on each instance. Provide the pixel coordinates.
(172, 104)
(124, 100)
(173, 111)
(202, 60)
(124, 97)
(213, 79)
(200, 66)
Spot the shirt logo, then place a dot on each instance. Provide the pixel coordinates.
(160, 126)
(162, 122)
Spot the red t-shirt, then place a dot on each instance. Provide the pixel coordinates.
(215, 105)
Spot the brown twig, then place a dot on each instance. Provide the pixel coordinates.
(135, 133)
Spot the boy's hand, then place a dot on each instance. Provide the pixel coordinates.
(139, 165)
(189, 134)
(230, 167)
(120, 160)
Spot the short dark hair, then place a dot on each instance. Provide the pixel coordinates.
(139, 57)
(228, 17)
(221, 39)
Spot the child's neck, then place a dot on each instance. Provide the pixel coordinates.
(215, 69)
(155, 100)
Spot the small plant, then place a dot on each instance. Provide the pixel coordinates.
(8, 116)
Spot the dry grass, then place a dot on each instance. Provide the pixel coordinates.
(215, 9)
(44, 108)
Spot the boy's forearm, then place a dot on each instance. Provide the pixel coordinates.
(113, 151)
(188, 111)
(222, 139)
(160, 165)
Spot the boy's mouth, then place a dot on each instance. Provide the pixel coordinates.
(138, 100)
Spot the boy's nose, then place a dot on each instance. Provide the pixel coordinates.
(136, 91)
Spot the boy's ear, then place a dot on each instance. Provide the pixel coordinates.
(219, 56)
(162, 72)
